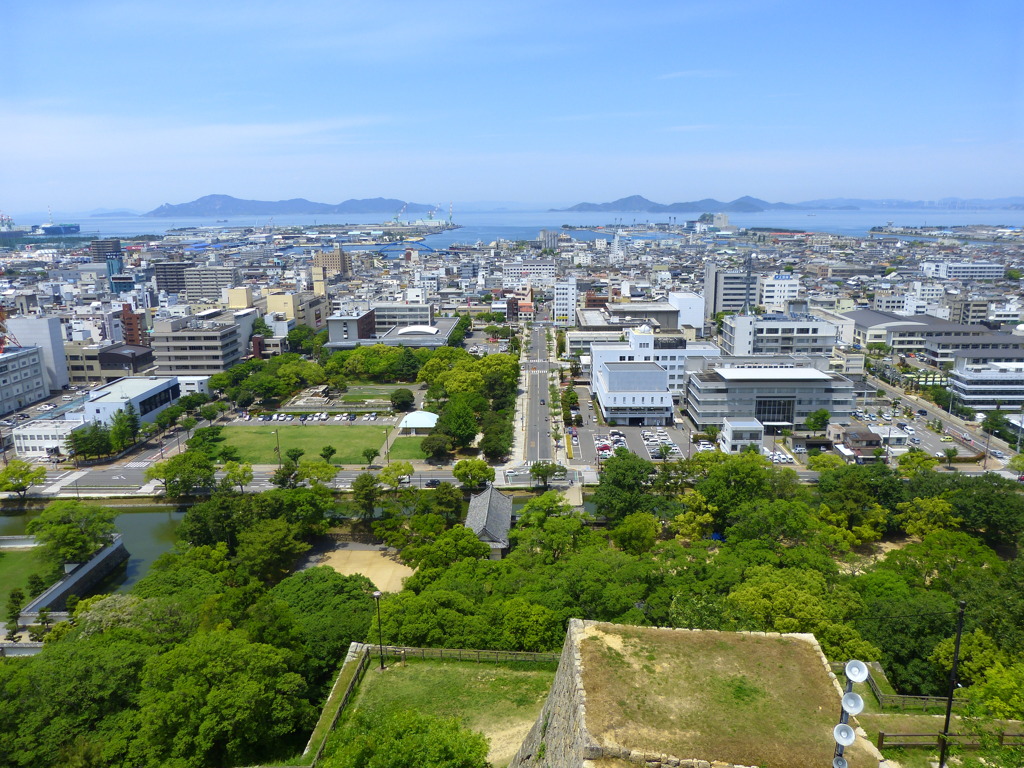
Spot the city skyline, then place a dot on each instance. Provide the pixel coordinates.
(124, 105)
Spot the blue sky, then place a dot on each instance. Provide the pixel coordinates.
(133, 104)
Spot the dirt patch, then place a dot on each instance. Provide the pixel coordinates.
(505, 743)
(384, 571)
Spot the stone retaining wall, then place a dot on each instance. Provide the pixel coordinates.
(559, 738)
(78, 582)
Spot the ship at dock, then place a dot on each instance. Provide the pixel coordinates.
(60, 229)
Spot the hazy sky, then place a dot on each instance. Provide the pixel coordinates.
(133, 104)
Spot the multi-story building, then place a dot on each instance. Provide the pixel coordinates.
(148, 396)
(396, 314)
(963, 270)
(349, 331)
(90, 362)
(777, 335)
(988, 387)
(642, 345)
(906, 334)
(304, 308)
(208, 283)
(967, 311)
(134, 325)
(335, 263)
(632, 393)
(22, 378)
(539, 273)
(44, 438)
(564, 306)
(47, 334)
(775, 291)
(727, 290)
(193, 346)
(170, 275)
(779, 392)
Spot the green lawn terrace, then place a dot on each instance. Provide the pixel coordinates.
(745, 699)
(257, 444)
(501, 700)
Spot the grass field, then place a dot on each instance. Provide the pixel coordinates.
(740, 699)
(256, 444)
(407, 449)
(16, 565)
(502, 701)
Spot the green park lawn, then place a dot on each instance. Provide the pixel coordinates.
(407, 449)
(256, 444)
(502, 701)
(16, 565)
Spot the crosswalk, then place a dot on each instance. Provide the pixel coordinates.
(138, 464)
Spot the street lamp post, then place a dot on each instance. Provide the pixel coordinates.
(380, 636)
(387, 448)
(277, 434)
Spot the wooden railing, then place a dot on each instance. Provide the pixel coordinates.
(898, 700)
(933, 740)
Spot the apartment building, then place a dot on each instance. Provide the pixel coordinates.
(208, 283)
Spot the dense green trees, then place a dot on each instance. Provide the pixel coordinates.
(69, 531)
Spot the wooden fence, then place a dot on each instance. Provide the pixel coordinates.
(898, 700)
(933, 740)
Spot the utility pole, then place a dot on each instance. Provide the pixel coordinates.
(952, 684)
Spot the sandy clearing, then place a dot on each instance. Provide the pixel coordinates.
(386, 574)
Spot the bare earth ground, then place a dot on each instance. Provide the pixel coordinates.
(385, 572)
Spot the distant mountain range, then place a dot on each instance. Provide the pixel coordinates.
(215, 206)
(747, 204)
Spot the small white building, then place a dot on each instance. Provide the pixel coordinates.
(148, 396)
(418, 423)
(738, 433)
(41, 438)
(194, 385)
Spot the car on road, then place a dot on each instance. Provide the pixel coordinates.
(945, 439)
(999, 454)
(922, 412)
(543, 401)
(432, 483)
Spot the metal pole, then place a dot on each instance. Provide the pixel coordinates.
(380, 636)
(277, 434)
(952, 684)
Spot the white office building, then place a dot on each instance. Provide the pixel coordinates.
(690, 306)
(148, 395)
(642, 345)
(42, 438)
(632, 394)
(566, 296)
(774, 292)
(777, 335)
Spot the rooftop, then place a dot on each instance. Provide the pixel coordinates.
(773, 374)
(122, 390)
